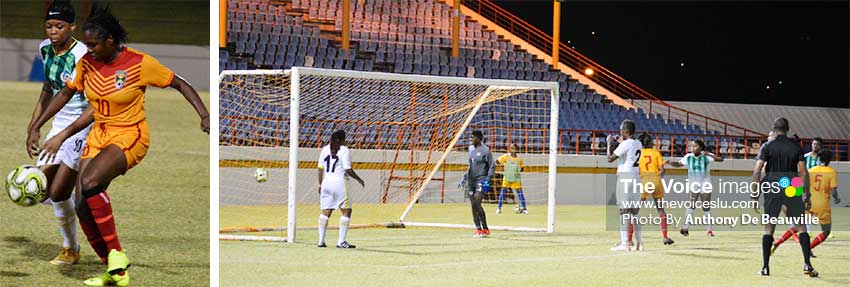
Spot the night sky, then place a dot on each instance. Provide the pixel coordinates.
(735, 52)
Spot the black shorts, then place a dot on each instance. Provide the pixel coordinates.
(473, 188)
(773, 205)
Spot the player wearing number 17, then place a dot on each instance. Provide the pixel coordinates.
(334, 165)
(114, 78)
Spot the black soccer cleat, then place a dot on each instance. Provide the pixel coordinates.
(345, 244)
(322, 245)
(809, 270)
(668, 241)
(764, 272)
(812, 255)
(684, 231)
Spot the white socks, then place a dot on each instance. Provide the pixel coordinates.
(638, 233)
(323, 226)
(64, 212)
(689, 217)
(343, 229)
(708, 215)
(624, 228)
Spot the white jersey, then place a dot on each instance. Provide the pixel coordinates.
(58, 69)
(334, 167)
(629, 154)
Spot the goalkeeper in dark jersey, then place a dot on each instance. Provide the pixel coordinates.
(481, 168)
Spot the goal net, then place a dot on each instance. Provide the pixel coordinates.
(408, 137)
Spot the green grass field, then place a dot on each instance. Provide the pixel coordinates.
(161, 206)
(576, 254)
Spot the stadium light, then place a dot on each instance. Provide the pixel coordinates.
(588, 72)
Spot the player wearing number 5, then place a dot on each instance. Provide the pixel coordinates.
(334, 165)
(114, 78)
(628, 197)
(824, 182)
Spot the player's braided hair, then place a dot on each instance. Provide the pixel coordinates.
(104, 24)
(825, 156)
(336, 140)
(700, 144)
(645, 140)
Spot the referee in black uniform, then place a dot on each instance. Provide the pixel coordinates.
(783, 157)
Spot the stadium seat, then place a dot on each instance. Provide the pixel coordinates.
(411, 37)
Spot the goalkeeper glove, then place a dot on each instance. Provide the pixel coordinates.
(485, 185)
(462, 181)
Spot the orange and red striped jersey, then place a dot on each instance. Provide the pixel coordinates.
(116, 90)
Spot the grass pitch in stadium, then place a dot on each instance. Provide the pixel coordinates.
(162, 205)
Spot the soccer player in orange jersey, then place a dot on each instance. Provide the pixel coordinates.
(651, 166)
(114, 78)
(824, 182)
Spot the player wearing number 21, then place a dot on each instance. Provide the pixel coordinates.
(628, 153)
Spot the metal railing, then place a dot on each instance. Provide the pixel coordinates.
(376, 135)
(602, 76)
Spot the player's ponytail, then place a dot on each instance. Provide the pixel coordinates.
(337, 138)
(104, 24)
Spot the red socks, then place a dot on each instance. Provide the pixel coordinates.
(786, 235)
(100, 231)
(818, 239)
(93, 235)
(663, 224)
(631, 231)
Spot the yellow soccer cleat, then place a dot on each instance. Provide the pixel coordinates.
(117, 263)
(67, 256)
(109, 280)
(103, 280)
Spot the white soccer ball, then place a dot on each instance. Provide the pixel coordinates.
(518, 210)
(261, 175)
(26, 185)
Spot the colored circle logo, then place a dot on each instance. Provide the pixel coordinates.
(797, 182)
(790, 191)
(784, 182)
(793, 187)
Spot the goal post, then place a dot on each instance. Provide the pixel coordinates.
(408, 136)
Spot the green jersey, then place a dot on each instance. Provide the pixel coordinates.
(812, 160)
(58, 69)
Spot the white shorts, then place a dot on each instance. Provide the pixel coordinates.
(627, 196)
(334, 195)
(69, 152)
